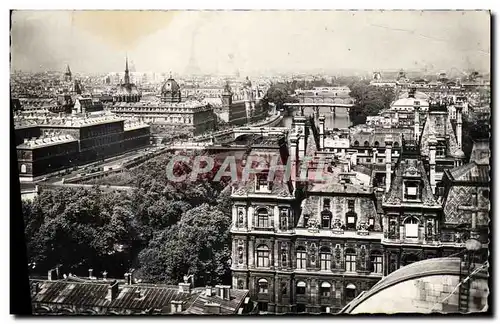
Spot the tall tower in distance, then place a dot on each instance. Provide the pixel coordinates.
(67, 74)
(127, 76)
(227, 96)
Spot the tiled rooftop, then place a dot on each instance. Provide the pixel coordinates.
(136, 297)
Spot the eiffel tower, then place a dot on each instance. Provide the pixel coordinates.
(192, 67)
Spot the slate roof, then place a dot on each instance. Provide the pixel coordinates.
(439, 124)
(463, 196)
(138, 297)
(93, 294)
(471, 172)
(413, 166)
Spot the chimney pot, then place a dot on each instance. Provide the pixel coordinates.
(184, 287)
(175, 306)
(90, 273)
(105, 275)
(127, 278)
(112, 290)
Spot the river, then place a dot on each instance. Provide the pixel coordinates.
(341, 119)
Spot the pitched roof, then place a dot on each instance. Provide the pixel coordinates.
(140, 297)
(415, 168)
(439, 124)
(471, 172)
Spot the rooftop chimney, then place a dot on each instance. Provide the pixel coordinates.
(52, 275)
(223, 292)
(322, 132)
(212, 308)
(105, 275)
(184, 287)
(90, 273)
(388, 162)
(208, 291)
(417, 123)
(128, 278)
(459, 126)
(294, 158)
(112, 291)
(175, 306)
(432, 162)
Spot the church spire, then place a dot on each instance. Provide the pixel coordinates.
(67, 75)
(127, 76)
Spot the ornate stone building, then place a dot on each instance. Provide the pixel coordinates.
(127, 91)
(170, 111)
(312, 245)
(302, 247)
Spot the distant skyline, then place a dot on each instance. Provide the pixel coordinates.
(251, 42)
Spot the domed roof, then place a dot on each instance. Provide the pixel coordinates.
(433, 270)
(170, 86)
(458, 154)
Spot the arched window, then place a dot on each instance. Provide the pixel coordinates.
(23, 168)
(411, 227)
(301, 288)
(263, 286)
(325, 257)
(376, 261)
(262, 218)
(356, 143)
(350, 260)
(350, 292)
(262, 256)
(301, 257)
(366, 144)
(396, 144)
(325, 289)
(376, 144)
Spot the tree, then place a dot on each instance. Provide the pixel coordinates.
(198, 244)
(369, 100)
(78, 229)
(279, 94)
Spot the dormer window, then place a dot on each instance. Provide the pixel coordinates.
(261, 184)
(351, 219)
(440, 151)
(411, 190)
(326, 219)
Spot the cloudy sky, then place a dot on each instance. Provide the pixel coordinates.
(250, 41)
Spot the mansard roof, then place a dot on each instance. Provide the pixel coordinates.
(409, 167)
(439, 124)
